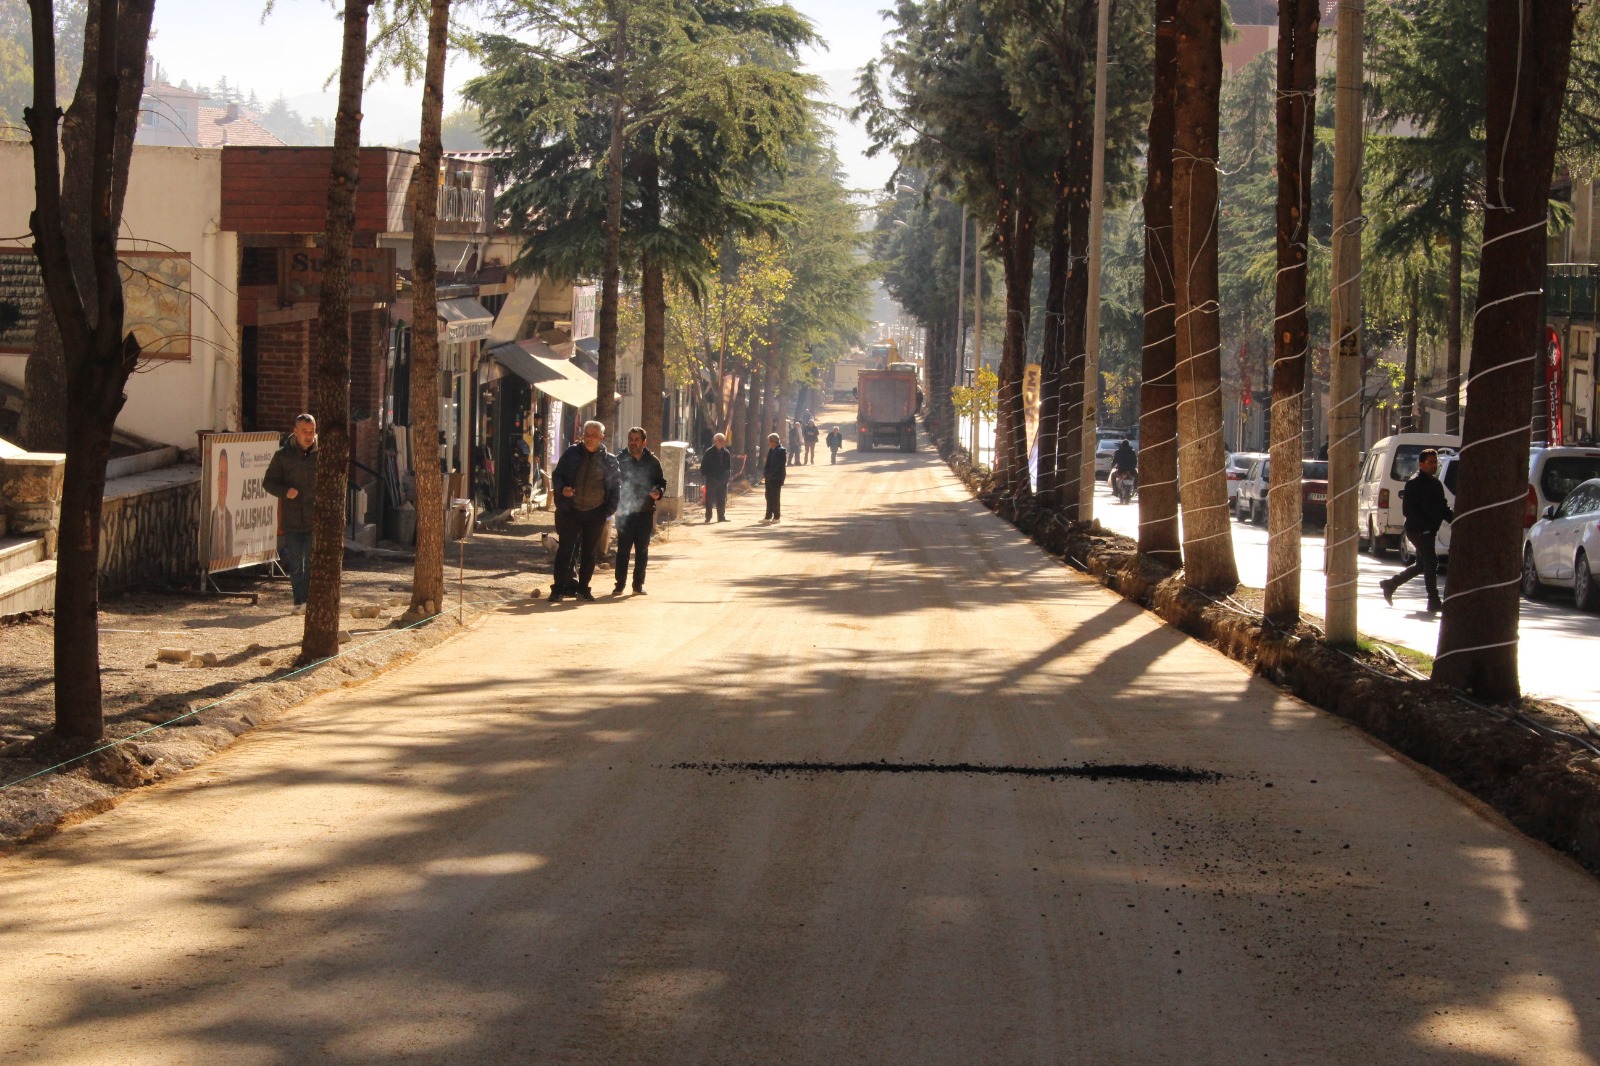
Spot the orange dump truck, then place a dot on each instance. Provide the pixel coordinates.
(886, 411)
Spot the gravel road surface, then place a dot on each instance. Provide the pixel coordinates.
(881, 783)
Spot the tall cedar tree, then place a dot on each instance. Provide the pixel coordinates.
(427, 579)
(75, 222)
(1296, 107)
(1529, 44)
(1207, 536)
(331, 376)
(1158, 392)
(943, 104)
(1418, 77)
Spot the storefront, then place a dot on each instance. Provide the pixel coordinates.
(559, 393)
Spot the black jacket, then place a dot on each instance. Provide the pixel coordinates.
(717, 465)
(1125, 458)
(293, 468)
(1423, 504)
(639, 477)
(835, 439)
(777, 466)
(566, 476)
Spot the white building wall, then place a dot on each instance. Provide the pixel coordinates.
(173, 205)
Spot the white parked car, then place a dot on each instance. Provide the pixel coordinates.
(1238, 468)
(1563, 548)
(1554, 472)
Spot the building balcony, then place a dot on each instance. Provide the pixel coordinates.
(1572, 290)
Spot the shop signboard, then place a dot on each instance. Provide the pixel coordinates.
(300, 273)
(240, 519)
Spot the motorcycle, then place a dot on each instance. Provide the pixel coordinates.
(1123, 485)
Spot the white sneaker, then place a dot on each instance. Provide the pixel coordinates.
(298, 608)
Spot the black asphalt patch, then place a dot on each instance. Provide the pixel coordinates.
(1147, 772)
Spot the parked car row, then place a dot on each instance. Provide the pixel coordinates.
(1249, 492)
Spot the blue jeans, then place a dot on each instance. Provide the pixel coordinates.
(294, 552)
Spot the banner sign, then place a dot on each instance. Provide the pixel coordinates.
(239, 523)
(371, 275)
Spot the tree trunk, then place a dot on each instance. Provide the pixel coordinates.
(75, 224)
(653, 304)
(1408, 384)
(1015, 227)
(1528, 49)
(611, 264)
(1158, 394)
(1050, 361)
(1296, 113)
(427, 578)
(1207, 536)
(1452, 338)
(45, 373)
(653, 375)
(332, 374)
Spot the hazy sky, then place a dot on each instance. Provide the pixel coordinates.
(295, 49)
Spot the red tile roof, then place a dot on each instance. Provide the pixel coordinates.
(217, 129)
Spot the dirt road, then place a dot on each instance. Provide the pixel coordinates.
(661, 830)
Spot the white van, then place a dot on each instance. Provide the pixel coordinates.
(1389, 465)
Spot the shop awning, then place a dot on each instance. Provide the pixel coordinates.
(537, 363)
(523, 364)
(463, 319)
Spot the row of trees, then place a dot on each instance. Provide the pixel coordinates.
(985, 104)
(671, 141)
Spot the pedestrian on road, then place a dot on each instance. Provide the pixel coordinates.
(835, 442)
(810, 433)
(587, 489)
(641, 484)
(775, 469)
(717, 468)
(1425, 510)
(292, 478)
(794, 443)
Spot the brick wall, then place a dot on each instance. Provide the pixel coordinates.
(283, 374)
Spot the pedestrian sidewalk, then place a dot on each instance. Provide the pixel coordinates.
(231, 643)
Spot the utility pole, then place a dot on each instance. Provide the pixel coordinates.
(1091, 319)
(958, 363)
(1344, 417)
(977, 329)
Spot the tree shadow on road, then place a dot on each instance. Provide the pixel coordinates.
(508, 867)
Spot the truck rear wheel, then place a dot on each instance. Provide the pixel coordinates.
(908, 440)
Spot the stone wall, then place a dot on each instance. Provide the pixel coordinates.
(150, 531)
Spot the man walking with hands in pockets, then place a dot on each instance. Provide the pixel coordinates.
(586, 484)
(642, 483)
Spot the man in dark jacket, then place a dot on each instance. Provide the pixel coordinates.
(774, 471)
(292, 478)
(586, 486)
(1425, 510)
(641, 485)
(717, 468)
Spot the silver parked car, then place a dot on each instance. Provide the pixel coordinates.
(1563, 548)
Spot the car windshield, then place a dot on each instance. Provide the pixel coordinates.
(1582, 501)
(1563, 473)
(1405, 459)
(1240, 462)
(1313, 470)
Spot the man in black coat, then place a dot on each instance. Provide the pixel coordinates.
(292, 478)
(587, 489)
(641, 484)
(775, 470)
(1425, 510)
(717, 468)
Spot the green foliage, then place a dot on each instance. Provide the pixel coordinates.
(732, 317)
(16, 60)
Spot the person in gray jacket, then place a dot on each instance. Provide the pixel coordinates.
(641, 484)
(292, 478)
